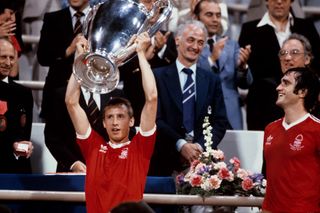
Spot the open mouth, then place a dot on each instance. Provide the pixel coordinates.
(115, 130)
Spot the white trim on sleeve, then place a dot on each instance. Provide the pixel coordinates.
(148, 133)
(86, 135)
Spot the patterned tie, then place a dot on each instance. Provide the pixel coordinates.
(93, 111)
(188, 101)
(78, 26)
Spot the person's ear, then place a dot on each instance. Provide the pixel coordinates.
(302, 93)
(307, 60)
(131, 123)
(177, 40)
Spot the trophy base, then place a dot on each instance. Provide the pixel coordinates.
(96, 73)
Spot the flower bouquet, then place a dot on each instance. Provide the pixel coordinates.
(210, 175)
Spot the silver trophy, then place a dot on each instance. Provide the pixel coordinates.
(110, 28)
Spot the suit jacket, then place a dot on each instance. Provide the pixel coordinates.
(230, 78)
(130, 74)
(54, 40)
(170, 118)
(266, 70)
(15, 125)
(60, 136)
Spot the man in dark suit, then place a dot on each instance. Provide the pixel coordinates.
(163, 53)
(57, 47)
(180, 142)
(16, 105)
(266, 37)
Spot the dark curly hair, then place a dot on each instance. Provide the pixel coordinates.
(306, 80)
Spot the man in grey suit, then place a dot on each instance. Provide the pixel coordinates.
(226, 58)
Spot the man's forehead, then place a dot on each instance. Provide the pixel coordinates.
(193, 31)
(5, 43)
(290, 76)
(120, 108)
(210, 7)
(293, 43)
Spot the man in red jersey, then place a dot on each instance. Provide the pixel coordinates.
(117, 169)
(292, 147)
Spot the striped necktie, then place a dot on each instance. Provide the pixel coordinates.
(93, 111)
(78, 26)
(188, 101)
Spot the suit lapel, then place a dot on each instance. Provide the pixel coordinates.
(67, 19)
(171, 79)
(223, 57)
(202, 90)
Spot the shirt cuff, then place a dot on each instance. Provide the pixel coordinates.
(16, 156)
(72, 165)
(180, 144)
(211, 63)
(161, 52)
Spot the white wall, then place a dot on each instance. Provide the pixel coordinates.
(246, 145)
(42, 161)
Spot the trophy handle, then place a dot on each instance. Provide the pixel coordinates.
(89, 17)
(164, 17)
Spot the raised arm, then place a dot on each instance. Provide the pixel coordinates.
(149, 111)
(77, 114)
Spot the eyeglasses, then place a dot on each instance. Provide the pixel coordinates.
(293, 53)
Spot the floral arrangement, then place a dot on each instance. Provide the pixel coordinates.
(210, 175)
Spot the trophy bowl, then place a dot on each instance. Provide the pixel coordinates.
(110, 28)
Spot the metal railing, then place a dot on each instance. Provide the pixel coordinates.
(171, 199)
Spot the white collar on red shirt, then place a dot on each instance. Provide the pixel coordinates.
(288, 126)
(118, 145)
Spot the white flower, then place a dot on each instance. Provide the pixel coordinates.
(242, 173)
(220, 165)
(215, 181)
(206, 185)
(264, 182)
(207, 135)
(218, 154)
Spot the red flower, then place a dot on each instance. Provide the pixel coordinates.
(236, 163)
(224, 173)
(196, 180)
(247, 184)
(194, 163)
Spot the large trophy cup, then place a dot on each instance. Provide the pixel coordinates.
(110, 27)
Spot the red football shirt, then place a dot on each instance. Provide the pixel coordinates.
(115, 175)
(292, 154)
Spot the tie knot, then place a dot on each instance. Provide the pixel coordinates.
(187, 71)
(79, 14)
(210, 41)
